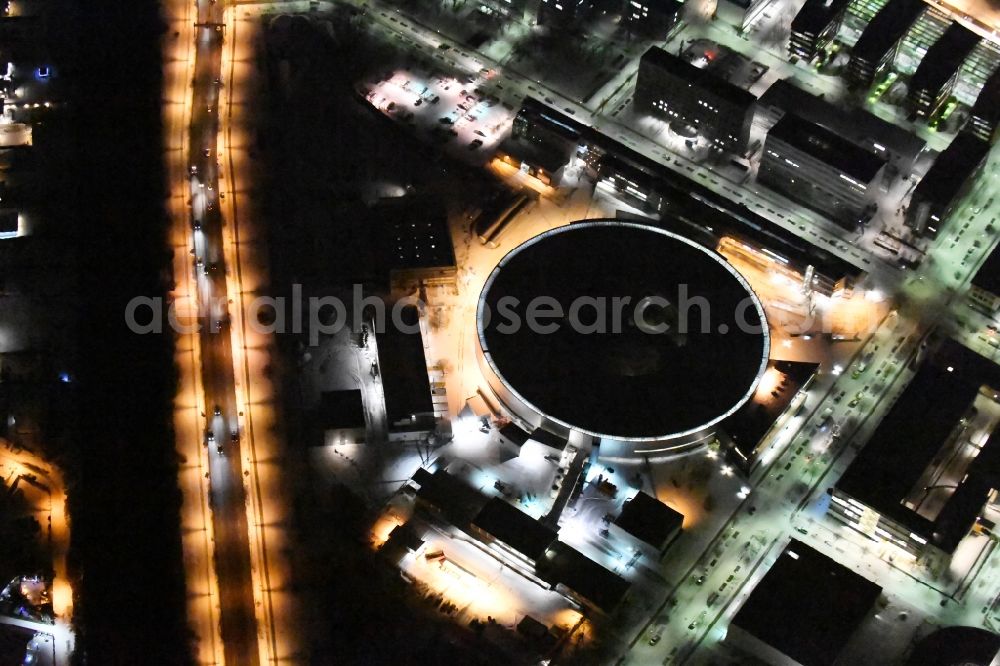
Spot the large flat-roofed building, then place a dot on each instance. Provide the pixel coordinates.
(819, 169)
(339, 418)
(803, 611)
(985, 115)
(514, 532)
(926, 474)
(934, 80)
(693, 99)
(648, 520)
(944, 183)
(405, 383)
(414, 239)
(542, 141)
(815, 26)
(576, 576)
(652, 19)
(876, 48)
(879, 137)
(984, 288)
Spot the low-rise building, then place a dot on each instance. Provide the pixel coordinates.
(580, 579)
(694, 100)
(340, 417)
(415, 241)
(542, 141)
(518, 538)
(944, 184)
(650, 522)
(803, 611)
(405, 381)
(782, 389)
(819, 169)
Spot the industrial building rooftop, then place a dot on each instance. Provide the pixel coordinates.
(648, 519)
(807, 606)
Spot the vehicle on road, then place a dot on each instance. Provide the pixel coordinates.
(856, 399)
(824, 420)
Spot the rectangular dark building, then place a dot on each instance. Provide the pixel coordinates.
(651, 19)
(543, 140)
(936, 193)
(921, 481)
(890, 142)
(405, 383)
(518, 534)
(876, 48)
(937, 73)
(819, 169)
(673, 89)
(804, 610)
(815, 26)
(984, 288)
(985, 115)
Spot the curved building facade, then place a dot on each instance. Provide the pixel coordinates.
(621, 332)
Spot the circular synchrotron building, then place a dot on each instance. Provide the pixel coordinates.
(620, 331)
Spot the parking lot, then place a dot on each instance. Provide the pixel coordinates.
(452, 111)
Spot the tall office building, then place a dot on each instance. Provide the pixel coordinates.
(985, 115)
(819, 169)
(652, 19)
(815, 26)
(935, 78)
(673, 89)
(944, 183)
(876, 48)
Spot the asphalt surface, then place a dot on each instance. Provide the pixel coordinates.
(228, 493)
